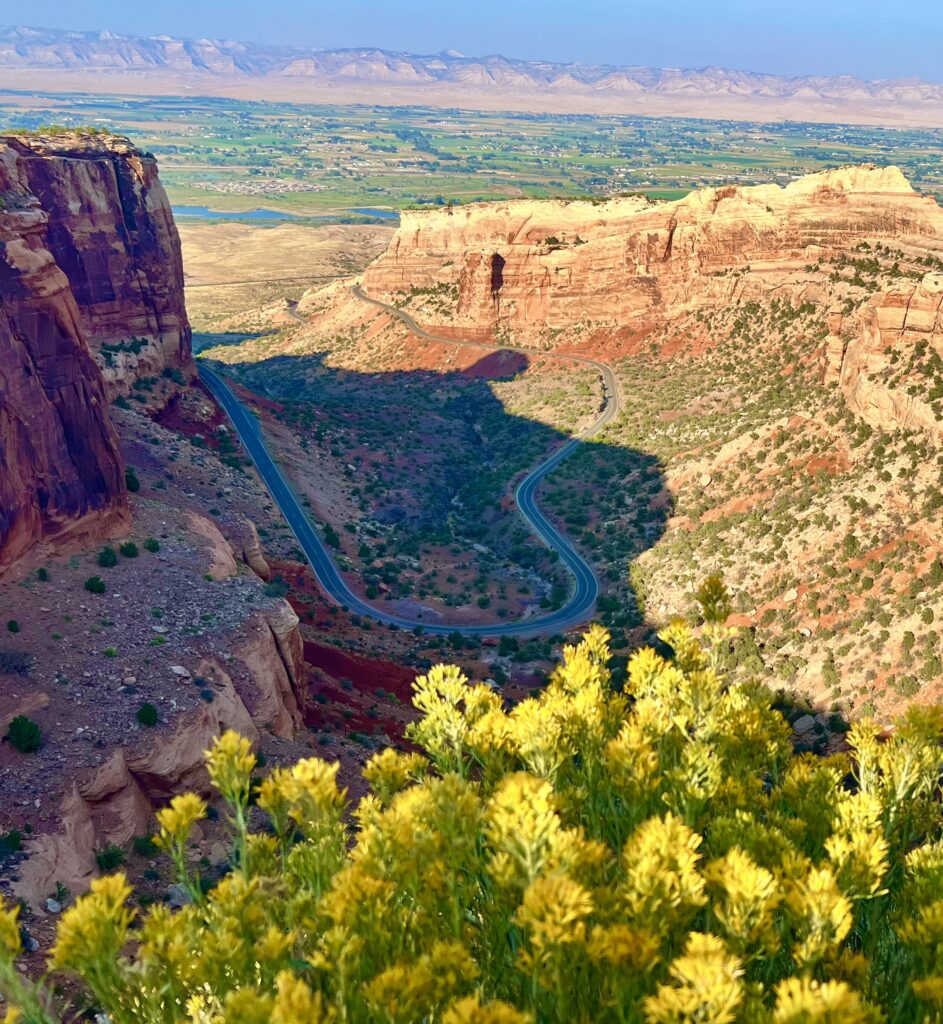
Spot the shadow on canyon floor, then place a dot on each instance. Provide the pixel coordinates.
(433, 457)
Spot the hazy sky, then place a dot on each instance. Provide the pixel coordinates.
(869, 38)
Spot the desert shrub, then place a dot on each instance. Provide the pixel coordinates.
(13, 626)
(152, 544)
(16, 663)
(95, 585)
(24, 735)
(109, 857)
(656, 854)
(42, 574)
(129, 549)
(144, 846)
(131, 480)
(107, 558)
(147, 714)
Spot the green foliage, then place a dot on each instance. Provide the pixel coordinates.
(129, 549)
(24, 735)
(42, 574)
(107, 558)
(714, 599)
(131, 480)
(13, 626)
(95, 585)
(152, 544)
(109, 857)
(15, 663)
(147, 715)
(276, 587)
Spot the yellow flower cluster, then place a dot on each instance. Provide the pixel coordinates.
(654, 854)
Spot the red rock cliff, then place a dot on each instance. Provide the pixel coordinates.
(89, 257)
(112, 233)
(532, 268)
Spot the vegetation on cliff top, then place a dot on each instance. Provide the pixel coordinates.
(656, 854)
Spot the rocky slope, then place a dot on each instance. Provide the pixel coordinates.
(91, 301)
(541, 272)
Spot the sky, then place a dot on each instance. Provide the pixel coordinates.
(867, 38)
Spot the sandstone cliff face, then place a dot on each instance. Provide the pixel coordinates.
(881, 369)
(262, 686)
(60, 468)
(534, 268)
(90, 272)
(112, 233)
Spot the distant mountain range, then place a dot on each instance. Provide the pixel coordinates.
(107, 62)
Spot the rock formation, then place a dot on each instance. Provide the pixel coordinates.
(112, 233)
(89, 269)
(893, 328)
(532, 269)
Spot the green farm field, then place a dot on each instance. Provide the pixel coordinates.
(355, 163)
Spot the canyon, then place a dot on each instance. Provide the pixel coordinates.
(777, 350)
(95, 345)
(780, 356)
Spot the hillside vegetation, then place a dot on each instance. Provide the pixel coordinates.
(657, 853)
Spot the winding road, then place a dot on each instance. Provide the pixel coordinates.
(586, 586)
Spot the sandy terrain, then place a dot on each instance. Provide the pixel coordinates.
(235, 266)
(286, 89)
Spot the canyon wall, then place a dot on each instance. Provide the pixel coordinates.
(882, 367)
(89, 262)
(529, 270)
(112, 233)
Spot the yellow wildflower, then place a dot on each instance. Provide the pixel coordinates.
(662, 886)
(10, 945)
(745, 905)
(822, 915)
(176, 820)
(390, 771)
(803, 1000)
(522, 823)
(246, 1005)
(95, 929)
(295, 1003)
(553, 912)
(707, 985)
(230, 763)
(471, 1010)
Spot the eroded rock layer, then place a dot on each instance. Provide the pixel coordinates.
(112, 233)
(91, 297)
(532, 269)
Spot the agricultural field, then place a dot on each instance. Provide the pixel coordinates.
(364, 164)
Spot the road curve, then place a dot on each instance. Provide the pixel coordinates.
(586, 586)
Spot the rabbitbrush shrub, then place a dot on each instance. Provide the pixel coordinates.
(654, 855)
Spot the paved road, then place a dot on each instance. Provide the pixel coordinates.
(586, 587)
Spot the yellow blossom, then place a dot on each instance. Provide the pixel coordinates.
(471, 1010)
(295, 1003)
(803, 1000)
(10, 945)
(95, 929)
(176, 820)
(707, 986)
(230, 763)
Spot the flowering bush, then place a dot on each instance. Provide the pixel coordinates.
(657, 855)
